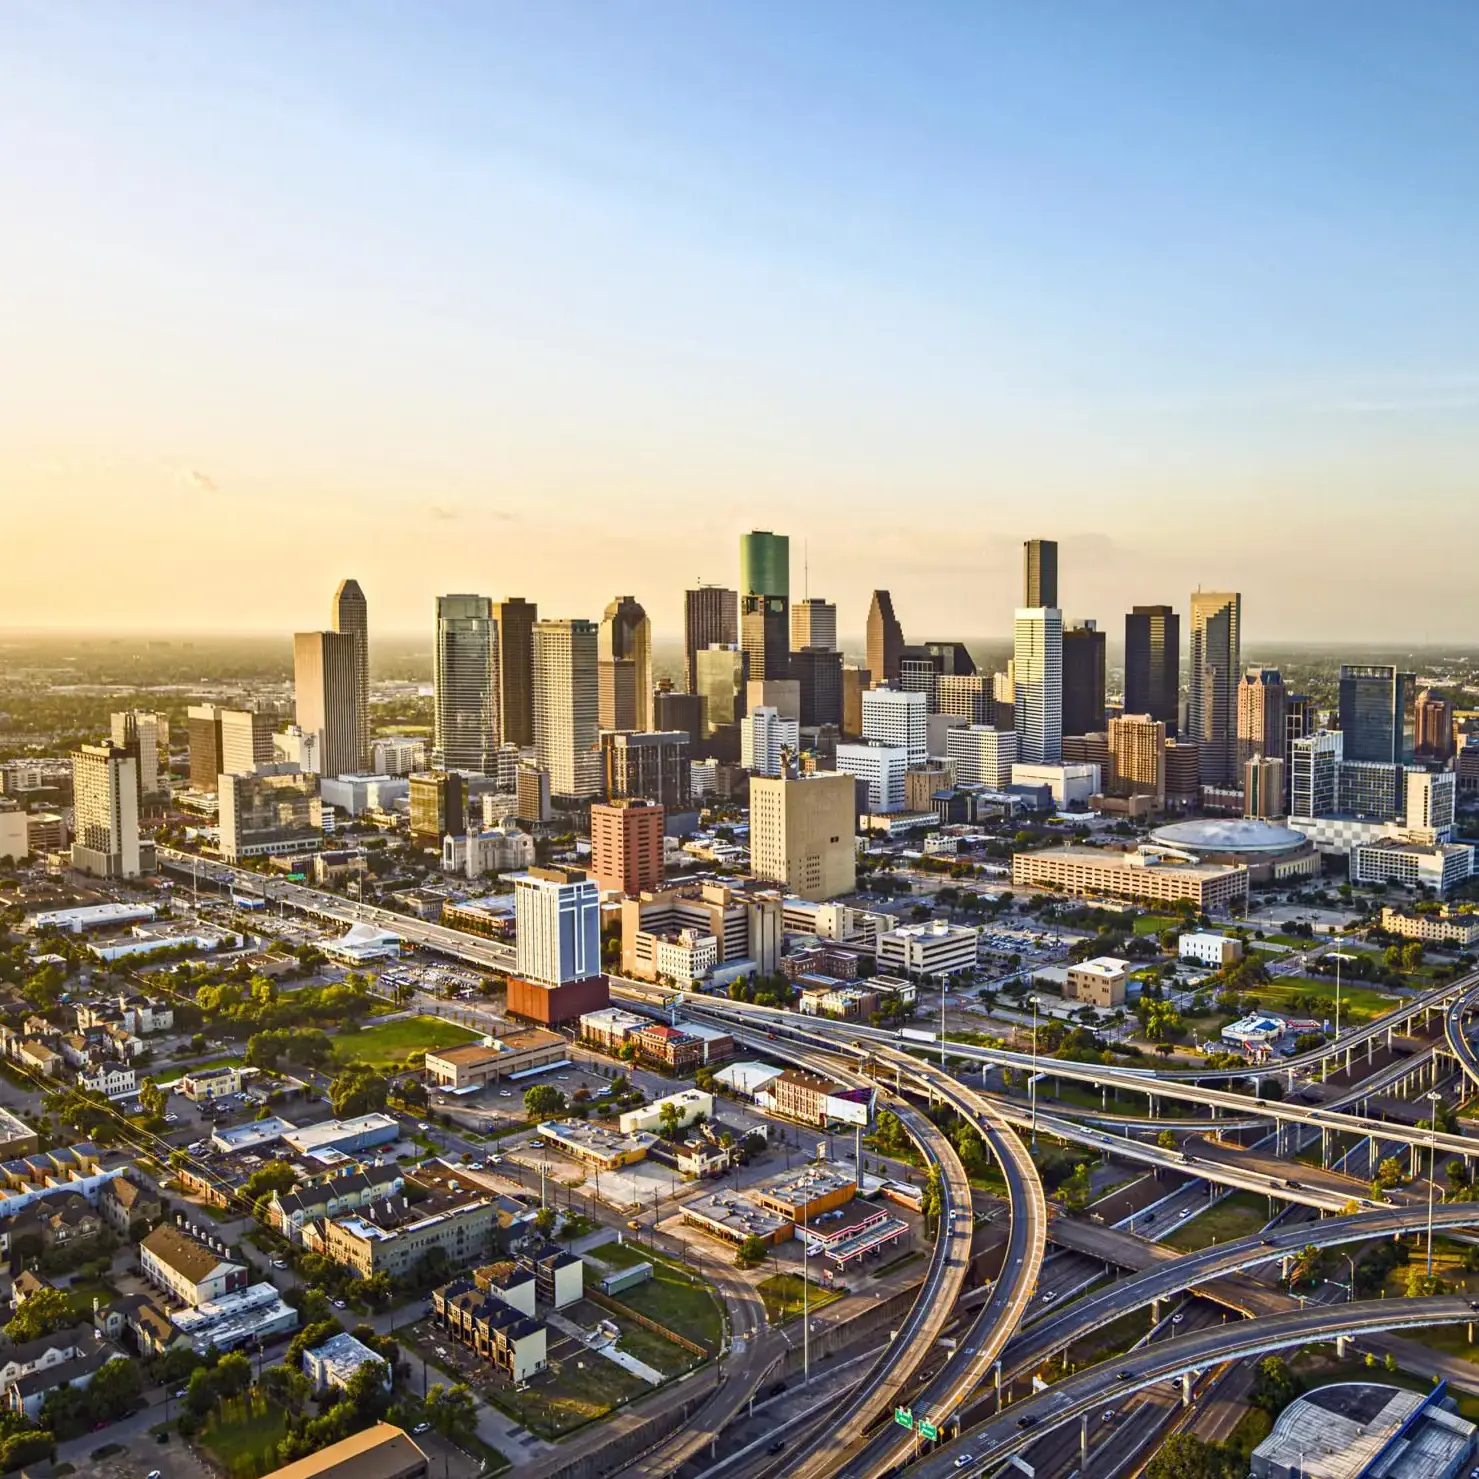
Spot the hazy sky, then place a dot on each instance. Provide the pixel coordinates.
(555, 300)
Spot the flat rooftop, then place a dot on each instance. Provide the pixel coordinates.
(519, 1040)
(596, 1138)
(805, 1184)
(736, 1215)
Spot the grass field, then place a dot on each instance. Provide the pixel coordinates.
(1358, 1004)
(671, 1296)
(782, 1295)
(245, 1428)
(385, 1043)
(226, 1060)
(1153, 924)
(645, 1345)
(619, 1255)
(1236, 1216)
(584, 1388)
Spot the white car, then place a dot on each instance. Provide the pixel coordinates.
(964, 1459)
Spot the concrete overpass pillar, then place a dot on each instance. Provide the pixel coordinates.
(997, 1369)
(1284, 1263)
(1083, 1443)
(1347, 1060)
(1389, 1039)
(1186, 1389)
(1324, 1148)
(1370, 1049)
(1155, 1312)
(1341, 1342)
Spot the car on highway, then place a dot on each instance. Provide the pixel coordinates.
(1124, 1376)
(1177, 1319)
(1026, 1422)
(421, 1428)
(964, 1459)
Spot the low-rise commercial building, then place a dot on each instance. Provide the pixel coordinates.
(1444, 926)
(1099, 983)
(347, 1137)
(1440, 866)
(804, 1194)
(381, 1452)
(1139, 874)
(690, 1106)
(745, 924)
(934, 949)
(335, 1363)
(1205, 948)
(392, 1237)
(187, 1269)
(733, 1219)
(591, 1145)
(610, 1028)
(475, 1065)
(204, 1085)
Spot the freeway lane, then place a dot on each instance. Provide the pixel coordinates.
(1459, 1042)
(1086, 1392)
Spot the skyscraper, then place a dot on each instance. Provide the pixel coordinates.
(1434, 727)
(465, 679)
(1137, 757)
(710, 619)
(1378, 713)
(557, 911)
(1084, 676)
(145, 735)
(813, 624)
(968, 696)
(720, 674)
(515, 618)
(885, 639)
(1040, 573)
(765, 602)
(1037, 665)
(567, 706)
(351, 618)
(203, 731)
(765, 740)
(625, 672)
(803, 833)
(326, 690)
(1263, 787)
(1314, 774)
(1262, 718)
(1153, 664)
(818, 674)
(245, 740)
(1216, 659)
(922, 667)
(891, 717)
(627, 845)
(105, 797)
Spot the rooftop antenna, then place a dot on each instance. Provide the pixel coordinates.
(806, 567)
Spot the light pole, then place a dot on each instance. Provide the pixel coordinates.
(1433, 1097)
(1032, 1083)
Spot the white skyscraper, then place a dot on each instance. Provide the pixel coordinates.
(105, 793)
(983, 756)
(145, 733)
(882, 767)
(891, 717)
(763, 736)
(567, 740)
(1314, 773)
(557, 919)
(1430, 805)
(1037, 663)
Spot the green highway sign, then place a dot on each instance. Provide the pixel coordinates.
(904, 1417)
(929, 1430)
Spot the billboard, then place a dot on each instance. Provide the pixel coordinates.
(849, 1106)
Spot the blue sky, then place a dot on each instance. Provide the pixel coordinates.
(556, 299)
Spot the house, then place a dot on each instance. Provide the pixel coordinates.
(511, 1341)
(207, 1084)
(186, 1268)
(559, 1276)
(334, 1363)
(50, 1353)
(65, 1220)
(25, 1285)
(36, 1055)
(139, 1317)
(28, 1394)
(289, 1212)
(112, 1079)
(143, 1016)
(124, 1202)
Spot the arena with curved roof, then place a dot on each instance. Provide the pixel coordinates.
(1271, 851)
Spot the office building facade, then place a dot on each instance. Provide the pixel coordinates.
(1137, 757)
(723, 673)
(351, 618)
(883, 768)
(625, 674)
(885, 639)
(710, 619)
(1433, 728)
(1314, 779)
(326, 692)
(266, 815)
(765, 602)
(144, 734)
(246, 739)
(566, 707)
(651, 766)
(1378, 713)
(1040, 573)
(1215, 664)
(465, 684)
(803, 833)
(965, 696)
(557, 920)
(438, 801)
(982, 756)
(679, 711)
(1084, 678)
(1037, 665)
(1262, 715)
(514, 620)
(1263, 787)
(105, 798)
(765, 739)
(892, 717)
(855, 683)
(1153, 665)
(814, 624)
(817, 672)
(627, 845)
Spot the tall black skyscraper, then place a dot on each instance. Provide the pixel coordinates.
(1040, 572)
(818, 670)
(1378, 713)
(1083, 679)
(710, 619)
(1153, 664)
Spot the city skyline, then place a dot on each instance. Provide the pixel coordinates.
(990, 280)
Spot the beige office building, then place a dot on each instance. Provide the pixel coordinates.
(326, 691)
(814, 624)
(351, 618)
(1263, 787)
(802, 833)
(1137, 757)
(105, 793)
(567, 706)
(1141, 874)
(721, 685)
(246, 740)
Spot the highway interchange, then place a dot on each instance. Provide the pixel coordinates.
(858, 1441)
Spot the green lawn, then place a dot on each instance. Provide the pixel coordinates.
(648, 1346)
(245, 1429)
(386, 1043)
(1236, 1216)
(228, 1060)
(1358, 1004)
(782, 1294)
(576, 1391)
(1153, 924)
(678, 1301)
(619, 1255)
(81, 1295)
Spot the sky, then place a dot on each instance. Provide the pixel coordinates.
(556, 300)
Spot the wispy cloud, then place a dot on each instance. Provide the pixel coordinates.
(198, 482)
(444, 513)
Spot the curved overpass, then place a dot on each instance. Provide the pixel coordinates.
(1086, 1391)
(1459, 1042)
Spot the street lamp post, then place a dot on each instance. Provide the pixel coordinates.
(1032, 1085)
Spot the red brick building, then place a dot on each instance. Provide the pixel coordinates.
(627, 845)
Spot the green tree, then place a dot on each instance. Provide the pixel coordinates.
(152, 1099)
(1275, 1386)
(543, 1102)
(544, 1220)
(1420, 1285)
(114, 1390)
(233, 1374)
(932, 1202)
(44, 1313)
(358, 1090)
(200, 1394)
(452, 1411)
(1166, 1140)
(750, 1253)
(1389, 1173)
(1185, 1456)
(668, 1117)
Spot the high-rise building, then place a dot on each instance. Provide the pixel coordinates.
(105, 797)
(982, 756)
(531, 795)
(781, 694)
(683, 711)
(1037, 661)
(818, 675)
(1137, 757)
(1314, 780)
(557, 918)
(653, 765)
(922, 667)
(765, 602)
(246, 743)
(326, 690)
(885, 639)
(625, 674)
(145, 735)
(1263, 787)
(1040, 573)
(203, 733)
(765, 737)
(1216, 659)
(627, 845)
(351, 618)
(1153, 664)
(1372, 789)
(1434, 727)
(710, 619)
(1378, 713)
(1183, 772)
(1084, 677)
(567, 741)
(855, 683)
(722, 673)
(1431, 806)
(967, 696)
(465, 682)
(891, 717)
(515, 618)
(438, 805)
(882, 768)
(1262, 716)
(803, 833)
(813, 624)
(269, 815)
